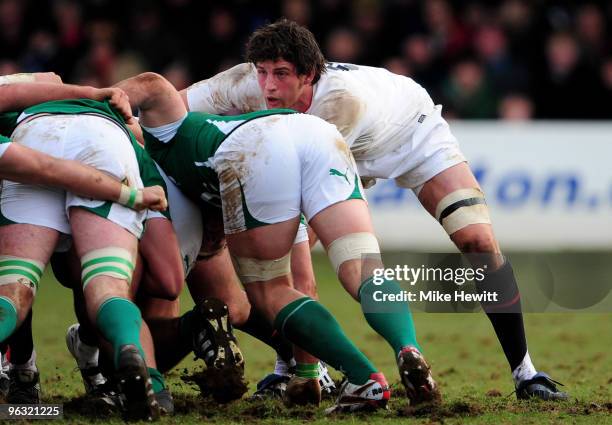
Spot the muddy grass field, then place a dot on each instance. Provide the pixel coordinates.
(462, 348)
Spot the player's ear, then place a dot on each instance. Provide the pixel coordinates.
(309, 77)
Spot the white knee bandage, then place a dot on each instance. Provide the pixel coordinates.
(461, 208)
(112, 261)
(253, 270)
(20, 270)
(351, 247)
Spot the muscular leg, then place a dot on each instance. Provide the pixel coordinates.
(22, 344)
(24, 251)
(106, 277)
(479, 238)
(163, 272)
(23, 241)
(395, 323)
(67, 269)
(302, 320)
(304, 281)
(342, 226)
(215, 277)
(162, 316)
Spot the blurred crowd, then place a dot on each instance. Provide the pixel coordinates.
(509, 59)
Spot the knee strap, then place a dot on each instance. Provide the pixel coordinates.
(20, 270)
(461, 208)
(351, 247)
(112, 261)
(254, 270)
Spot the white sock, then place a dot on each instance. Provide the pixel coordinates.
(29, 365)
(281, 367)
(4, 365)
(524, 371)
(87, 354)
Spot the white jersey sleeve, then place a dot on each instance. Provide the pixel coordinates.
(230, 90)
(375, 110)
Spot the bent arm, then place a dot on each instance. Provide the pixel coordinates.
(159, 103)
(25, 165)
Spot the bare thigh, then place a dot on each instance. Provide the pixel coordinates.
(25, 241)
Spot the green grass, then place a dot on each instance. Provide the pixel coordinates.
(462, 348)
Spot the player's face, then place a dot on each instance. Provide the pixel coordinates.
(281, 85)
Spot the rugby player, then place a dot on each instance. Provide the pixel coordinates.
(395, 131)
(266, 168)
(104, 234)
(25, 165)
(206, 329)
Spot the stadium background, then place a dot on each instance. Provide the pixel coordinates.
(481, 59)
(539, 73)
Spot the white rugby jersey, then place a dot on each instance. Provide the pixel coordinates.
(375, 110)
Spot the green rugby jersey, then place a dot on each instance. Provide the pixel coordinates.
(148, 171)
(186, 157)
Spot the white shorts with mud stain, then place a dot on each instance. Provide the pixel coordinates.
(431, 149)
(273, 168)
(89, 139)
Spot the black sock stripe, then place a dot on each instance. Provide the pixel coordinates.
(459, 204)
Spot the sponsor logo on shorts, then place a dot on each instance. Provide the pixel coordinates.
(334, 172)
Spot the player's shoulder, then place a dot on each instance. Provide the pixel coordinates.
(346, 83)
(339, 99)
(234, 76)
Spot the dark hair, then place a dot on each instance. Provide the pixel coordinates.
(285, 39)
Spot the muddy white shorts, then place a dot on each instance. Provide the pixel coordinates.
(273, 168)
(431, 149)
(90, 139)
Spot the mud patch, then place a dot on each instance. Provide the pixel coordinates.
(223, 385)
(342, 147)
(236, 88)
(91, 407)
(439, 412)
(234, 170)
(342, 109)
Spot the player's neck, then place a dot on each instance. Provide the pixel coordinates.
(305, 99)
